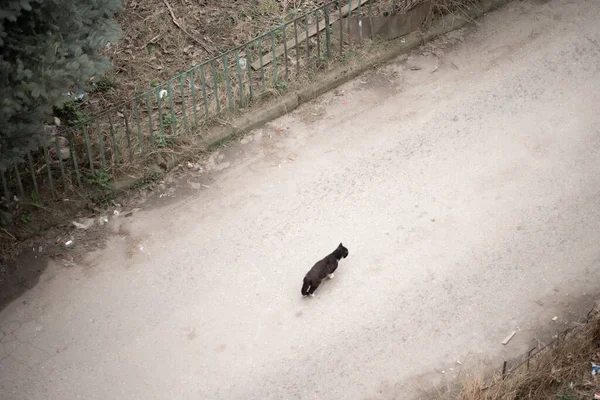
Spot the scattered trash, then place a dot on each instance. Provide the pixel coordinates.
(79, 97)
(163, 93)
(509, 337)
(243, 63)
(84, 223)
(103, 220)
(443, 372)
(69, 243)
(116, 213)
(458, 362)
(402, 40)
(414, 68)
(597, 395)
(190, 165)
(595, 369)
(555, 318)
(141, 247)
(56, 121)
(432, 219)
(40, 249)
(206, 186)
(292, 157)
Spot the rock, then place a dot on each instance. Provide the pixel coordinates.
(56, 121)
(50, 130)
(258, 135)
(221, 166)
(64, 152)
(85, 223)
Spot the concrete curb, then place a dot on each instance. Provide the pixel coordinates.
(283, 105)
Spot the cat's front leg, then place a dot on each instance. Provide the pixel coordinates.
(330, 276)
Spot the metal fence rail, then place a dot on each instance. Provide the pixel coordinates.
(122, 137)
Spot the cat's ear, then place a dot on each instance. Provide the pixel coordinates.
(341, 245)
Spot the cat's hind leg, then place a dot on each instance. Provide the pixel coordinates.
(313, 286)
(305, 287)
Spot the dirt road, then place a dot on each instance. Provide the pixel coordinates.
(464, 180)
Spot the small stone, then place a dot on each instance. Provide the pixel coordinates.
(56, 121)
(84, 223)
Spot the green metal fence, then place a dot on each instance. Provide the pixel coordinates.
(120, 138)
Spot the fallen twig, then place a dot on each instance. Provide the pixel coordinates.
(176, 22)
(8, 233)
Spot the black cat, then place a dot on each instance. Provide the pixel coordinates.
(323, 268)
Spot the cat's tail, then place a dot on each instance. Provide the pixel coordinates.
(305, 287)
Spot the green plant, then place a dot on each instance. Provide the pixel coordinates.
(266, 7)
(35, 197)
(160, 140)
(101, 178)
(220, 76)
(26, 217)
(169, 119)
(104, 84)
(48, 49)
(294, 12)
(148, 180)
(70, 113)
(567, 396)
(102, 181)
(281, 86)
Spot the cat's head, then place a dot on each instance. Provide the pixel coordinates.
(342, 251)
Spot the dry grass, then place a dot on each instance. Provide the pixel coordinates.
(561, 371)
(162, 38)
